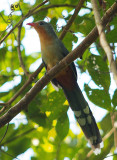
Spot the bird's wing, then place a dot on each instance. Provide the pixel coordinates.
(65, 52)
(53, 81)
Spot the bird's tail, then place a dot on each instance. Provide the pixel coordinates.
(84, 117)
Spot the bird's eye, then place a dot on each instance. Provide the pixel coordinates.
(41, 23)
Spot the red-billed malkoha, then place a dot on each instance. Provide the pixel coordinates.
(53, 50)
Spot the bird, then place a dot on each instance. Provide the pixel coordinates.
(53, 51)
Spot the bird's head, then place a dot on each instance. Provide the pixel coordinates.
(43, 28)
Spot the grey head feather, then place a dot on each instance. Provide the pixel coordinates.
(48, 27)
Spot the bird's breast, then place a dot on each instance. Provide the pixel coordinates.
(51, 55)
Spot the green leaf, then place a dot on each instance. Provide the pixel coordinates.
(22, 143)
(99, 97)
(54, 103)
(111, 36)
(62, 126)
(68, 39)
(35, 114)
(82, 63)
(87, 25)
(40, 16)
(106, 120)
(99, 71)
(114, 99)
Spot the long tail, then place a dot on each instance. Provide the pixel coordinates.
(84, 117)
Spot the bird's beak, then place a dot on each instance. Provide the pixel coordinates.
(32, 24)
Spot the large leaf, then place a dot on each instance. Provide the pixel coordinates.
(99, 71)
(62, 126)
(99, 97)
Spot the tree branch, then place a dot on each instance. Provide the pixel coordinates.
(19, 51)
(29, 81)
(113, 117)
(33, 11)
(77, 52)
(103, 40)
(22, 19)
(5, 133)
(58, 150)
(18, 136)
(53, 6)
(69, 23)
(72, 18)
(11, 156)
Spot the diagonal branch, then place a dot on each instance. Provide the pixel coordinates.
(77, 52)
(5, 133)
(69, 23)
(22, 19)
(53, 6)
(17, 136)
(6, 105)
(19, 51)
(21, 61)
(103, 40)
(38, 6)
(33, 11)
(11, 156)
(29, 81)
(113, 120)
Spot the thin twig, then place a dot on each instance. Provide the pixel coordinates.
(33, 9)
(19, 51)
(32, 12)
(2, 104)
(5, 133)
(29, 81)
(22, 19)
(9, 154)
(3, 108)
(40, 84)
(58, 151)
(103, 40)
(15, 96)
(53, 6)
(69, 23)
(21, 10)
(113, 117)
(3, 18)
(18, 136)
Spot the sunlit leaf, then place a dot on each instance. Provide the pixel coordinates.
(99, 97)
(99, 71)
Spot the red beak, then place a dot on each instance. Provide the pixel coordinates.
(31, 24)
